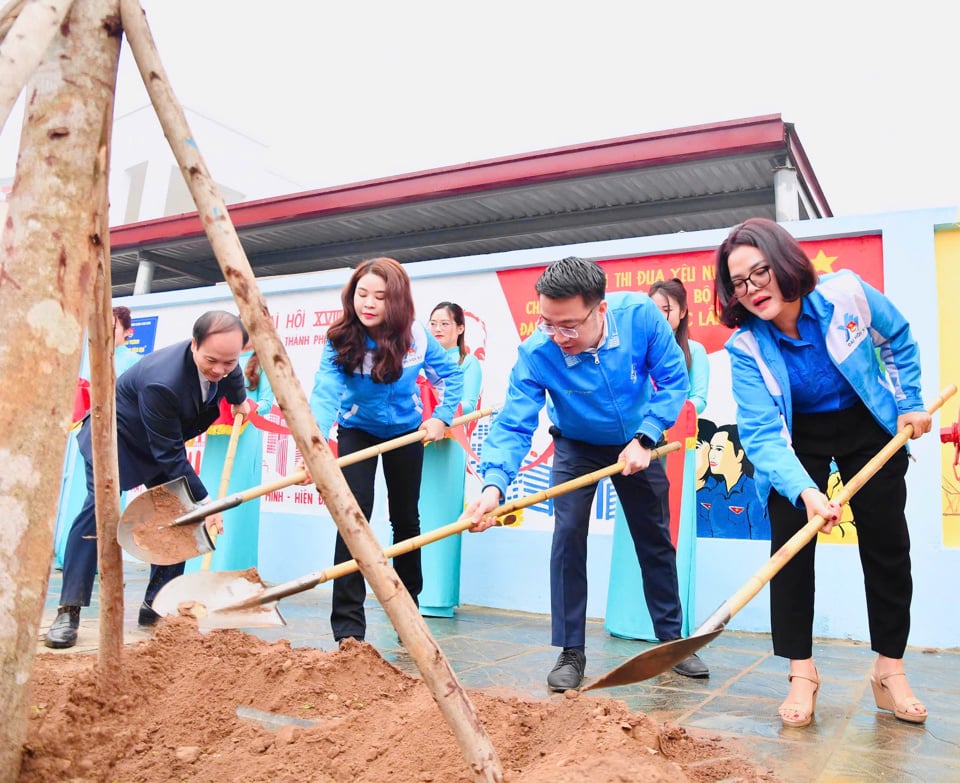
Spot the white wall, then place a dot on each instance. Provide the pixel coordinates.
(508, 568)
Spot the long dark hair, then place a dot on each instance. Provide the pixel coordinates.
(456, 311)
(393, 337)
(793, 269)
(675, 290)
(252, 371)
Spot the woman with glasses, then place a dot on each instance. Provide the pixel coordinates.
(823, 369)
(444, 472)
(367, 386)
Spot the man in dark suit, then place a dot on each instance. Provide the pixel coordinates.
(167, 398)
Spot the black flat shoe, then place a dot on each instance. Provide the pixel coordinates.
(63, 632)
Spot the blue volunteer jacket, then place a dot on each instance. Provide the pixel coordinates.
(603, 397)
(385, 410)
(867, 339)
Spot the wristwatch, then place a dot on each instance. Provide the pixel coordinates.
(645, 440)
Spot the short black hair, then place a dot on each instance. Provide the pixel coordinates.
(793, 269)
(217, 322)
(706, 429)
(573, 276)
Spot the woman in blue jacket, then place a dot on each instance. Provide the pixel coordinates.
(367, 385)
(823, 370)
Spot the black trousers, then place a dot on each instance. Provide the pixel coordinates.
(851, 438)
(401, 470)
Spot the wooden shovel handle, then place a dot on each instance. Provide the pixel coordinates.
(464, 523)
(224, 481)
(806, 534)
(232, 501)
(359, 456)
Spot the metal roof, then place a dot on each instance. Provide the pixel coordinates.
(686, 179)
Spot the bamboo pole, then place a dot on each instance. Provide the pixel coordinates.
(8, 15)
(46, 275)
(437, 673)
(103, 422)
(33, 25)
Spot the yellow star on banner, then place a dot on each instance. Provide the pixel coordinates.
(823, 263)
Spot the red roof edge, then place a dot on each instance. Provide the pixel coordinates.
(805, 170)
(712, 140)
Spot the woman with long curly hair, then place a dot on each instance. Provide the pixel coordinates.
(367, 385)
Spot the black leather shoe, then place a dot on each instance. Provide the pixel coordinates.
(692, 666)
(63, 632)
(568, 673)
(147, 616)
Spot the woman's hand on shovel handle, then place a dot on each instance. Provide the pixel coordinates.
(817, 503)
(307, 479)
(435, 429)
(920, 420)
(214, 524)
(480, 509)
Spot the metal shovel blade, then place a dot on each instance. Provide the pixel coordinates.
(654, 661)
(145, 532)
(217, 591)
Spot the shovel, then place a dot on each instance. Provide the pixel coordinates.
(664, 656)
(164, 525)
(224, 480)
(239, 599)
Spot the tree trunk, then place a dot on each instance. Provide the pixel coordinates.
(396, 601)
(23, 46)
(47, 260)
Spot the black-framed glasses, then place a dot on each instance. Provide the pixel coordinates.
(758, 278)
(570, 332)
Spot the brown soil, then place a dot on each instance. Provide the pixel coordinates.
(174, 717)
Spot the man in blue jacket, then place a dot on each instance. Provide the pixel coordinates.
(164, 400)
(613, 379)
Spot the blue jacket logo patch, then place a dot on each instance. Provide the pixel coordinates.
(852, 328)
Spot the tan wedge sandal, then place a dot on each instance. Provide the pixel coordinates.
(798, 708)
(885, 701)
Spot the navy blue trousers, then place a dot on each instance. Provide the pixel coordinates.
(645, 502)
(401, 470)
(80, 557)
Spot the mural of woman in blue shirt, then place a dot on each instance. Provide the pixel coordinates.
(728, 501)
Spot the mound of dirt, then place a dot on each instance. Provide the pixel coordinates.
(229, 706)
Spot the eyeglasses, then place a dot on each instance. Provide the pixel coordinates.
(441, 324)
(569, 332)
(758, 278)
